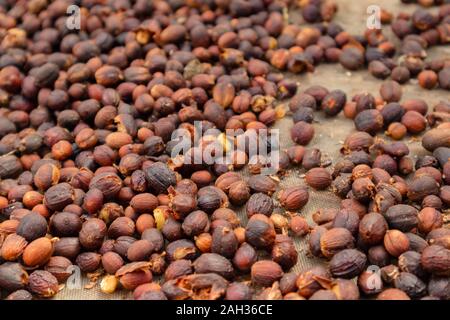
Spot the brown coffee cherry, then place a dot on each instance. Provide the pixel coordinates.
(43, 283)
(396, 130)
(32, 226)
(212, 262)
(391, 91)
(65, 224)
(88, 261)
(112, 262)
(299, 226)
(370, 121)
(347, 263)
(92, 233)
(224, 242)
(396, 242)
(410, 284)
(393, 294)
(427, 79)
(429, 219)
(284, 252)
(345, 289)
(372, 228)
(436, 260)
(402, 217)
(239, 193)
(139, 250)
(238, 291)
(335, 240)
(410, 261)
(260, 231)
(38, 252)
(266, 272)
(414, 122)
(13, 247)
(302, 133)
(318, 178)
(293, 198)
(313, 280)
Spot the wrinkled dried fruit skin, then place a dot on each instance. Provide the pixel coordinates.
(160, 177)
(238, 291)
(284, 252)
(334, 102)
(314, 240)
(335, 240)
(401, 217)
(60, 267)
(288, 283)
(416, 243)
(439, 287)
(214, 263)
(312, 280)
(396, 242)
(211, 198)
(181, 249)
(196, 223)
(59, 196)
(345, 289)
(88, 261)
(436, 138)
(182, 205)
(92, 233)
(262, 183)
(293, 198)
(347, 263)
(259, 233)
(410, 261)
(178, 268)
(259, 203)
(112, 262)
(411, 284)
(372, 228)
(422, 186)
(266, 272)
(245, 257)
(436, 260)
(224, 242)
(10, 167)
(370, 121)
(302, 133)
(20, 295)
(346, 219)
(43, 283)
(108, 183)
(357, 141)
(13, 247)
(13, 276)
(299, 226)
(207, 286)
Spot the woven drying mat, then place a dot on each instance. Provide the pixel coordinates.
(329, 132)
